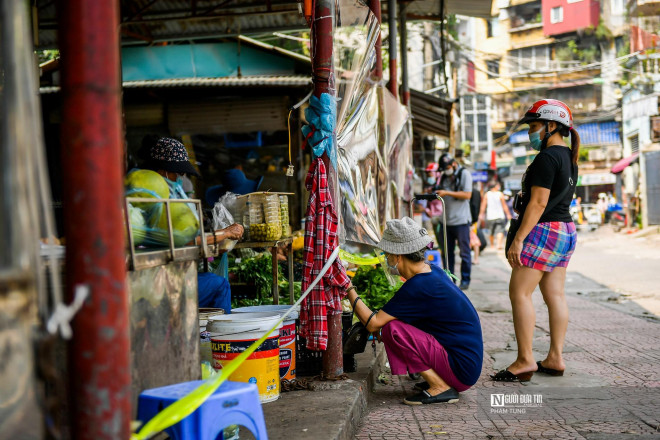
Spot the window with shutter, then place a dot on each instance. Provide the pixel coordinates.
(634, 144)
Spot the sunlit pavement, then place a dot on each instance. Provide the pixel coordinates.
(611, 388)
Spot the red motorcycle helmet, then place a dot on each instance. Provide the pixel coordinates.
(549, 110)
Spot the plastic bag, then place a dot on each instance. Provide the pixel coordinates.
(149, 227)
(234, 205)
(222, 218)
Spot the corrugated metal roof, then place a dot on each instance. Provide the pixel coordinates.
(599, 133)
(146, 21)
(247, 81)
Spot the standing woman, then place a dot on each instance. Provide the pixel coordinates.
(495, 213)
(541, 241)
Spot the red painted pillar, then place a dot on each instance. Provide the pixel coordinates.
(99, 362)
(374, 5)
(324, 82)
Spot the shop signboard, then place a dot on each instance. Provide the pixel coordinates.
(596, 179)
(479, 176)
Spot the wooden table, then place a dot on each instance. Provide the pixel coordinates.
(273, 245)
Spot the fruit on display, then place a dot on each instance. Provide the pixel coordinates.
(284, 216)
(148, 184)
(265, 231)
(185, 225)
(138, 224)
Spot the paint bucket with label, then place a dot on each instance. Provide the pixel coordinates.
(233, 334)
(287, 336)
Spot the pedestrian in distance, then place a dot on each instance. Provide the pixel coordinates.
(433, 208)
(429, 326)
(494, 213)
(455, 187)
(541, 241)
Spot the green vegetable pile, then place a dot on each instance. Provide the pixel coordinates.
(373, 286)
(259, 271)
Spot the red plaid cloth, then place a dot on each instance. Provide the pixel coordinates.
(320, 241)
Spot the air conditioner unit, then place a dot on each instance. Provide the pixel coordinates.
(596, 155)
(614, 153)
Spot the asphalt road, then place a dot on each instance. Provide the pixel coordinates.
(627, 265)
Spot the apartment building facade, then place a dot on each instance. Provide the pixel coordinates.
(564, 49)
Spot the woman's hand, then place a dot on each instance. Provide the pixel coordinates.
(513, 256)
(233, 232)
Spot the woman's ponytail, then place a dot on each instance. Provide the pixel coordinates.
(575, 145)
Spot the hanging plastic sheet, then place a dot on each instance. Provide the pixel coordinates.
(371, 148)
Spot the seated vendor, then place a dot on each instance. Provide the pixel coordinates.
(169, 158)
(429, 326)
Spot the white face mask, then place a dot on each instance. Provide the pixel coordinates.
(393, 269)
(449, 172)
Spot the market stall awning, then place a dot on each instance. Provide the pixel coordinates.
(244, 81)
(623, 163)
(430, 114)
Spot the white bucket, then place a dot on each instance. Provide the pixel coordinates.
(233, 334)
(287, 336)
(205, 353)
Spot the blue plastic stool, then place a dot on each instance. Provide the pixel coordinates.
(234, 403)
(434, 257)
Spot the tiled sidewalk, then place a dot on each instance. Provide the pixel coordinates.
(611, 388)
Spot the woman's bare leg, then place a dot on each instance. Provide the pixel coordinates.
(436, 384)
(552, 288)
(523, 282)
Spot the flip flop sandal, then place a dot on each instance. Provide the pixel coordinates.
(549, 371)
(424, 398)
(507, 376)
(421, 386)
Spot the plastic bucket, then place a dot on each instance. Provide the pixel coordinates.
(287, 337)
(233, 334)
(205, 353)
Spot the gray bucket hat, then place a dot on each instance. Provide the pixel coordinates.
(404, 236)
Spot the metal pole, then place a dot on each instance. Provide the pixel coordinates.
(324, 82)
(405, 91)
(374, 5)
(99, 362)
(391, 20)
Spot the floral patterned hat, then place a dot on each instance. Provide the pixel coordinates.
(170, 155)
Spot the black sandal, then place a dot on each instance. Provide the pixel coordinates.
(549, 371)
(424, 398)
(421, 386)
(507, 376)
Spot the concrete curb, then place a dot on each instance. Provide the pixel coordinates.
(333, 411)
(649, 230)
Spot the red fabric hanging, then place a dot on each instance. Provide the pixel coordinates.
(320, 241)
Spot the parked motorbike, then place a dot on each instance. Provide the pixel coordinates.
(591, 216)
(617, 217)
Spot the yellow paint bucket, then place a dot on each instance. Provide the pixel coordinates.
(287, 336)
(232, 334)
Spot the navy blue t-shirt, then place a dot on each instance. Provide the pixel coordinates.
(432, 303)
